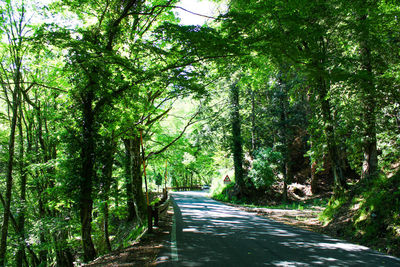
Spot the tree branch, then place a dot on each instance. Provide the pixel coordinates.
(117, 22)
(152, 74)
(190, 122)
(151, 12)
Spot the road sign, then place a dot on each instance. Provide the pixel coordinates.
(227, 180)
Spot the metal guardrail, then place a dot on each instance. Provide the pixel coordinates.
(154, 211)
(185, 188)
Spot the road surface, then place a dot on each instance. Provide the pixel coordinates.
(209, 233)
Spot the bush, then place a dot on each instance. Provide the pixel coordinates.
(265, 164)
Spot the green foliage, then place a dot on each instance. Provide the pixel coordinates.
(127, 234)
(225, 194)
(158, 179)
(133, 235)
(265, 166)
(334, 204)
(371, 209)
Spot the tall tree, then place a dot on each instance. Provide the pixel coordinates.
(237, 149)
(301, 34)
(14, 22)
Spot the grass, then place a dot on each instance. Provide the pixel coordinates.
(313, 204)
(368, 213)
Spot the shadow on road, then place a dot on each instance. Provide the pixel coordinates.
(209, 233)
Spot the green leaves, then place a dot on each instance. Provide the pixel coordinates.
(266, 165)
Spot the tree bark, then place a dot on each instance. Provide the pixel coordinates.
(106, 228)
(285, 138)
(22, 198)
(106, 182)
(87, 175)
(41, 187)
(9, 177)
(237, 148)
(64, 256)
(253, 123)
(370, 163)
(339, 180)
(137, 181)
(128, 180)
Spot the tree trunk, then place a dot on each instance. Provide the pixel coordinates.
(339, 180)
(22, 189)
(115, 192)
(284, 137)
(35, 261)
(64, 256)
(41, 187)
(15, 42)
(42, 235)
(370, 163)
(106, 230)
(9, 177)
(253, 124)
(106, 182)
(237, 148)
(128, 180)
(87, 175)
(137, 181)
(314, 179)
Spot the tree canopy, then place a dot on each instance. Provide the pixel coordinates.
(268, 92)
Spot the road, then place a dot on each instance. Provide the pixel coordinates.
(209, 233)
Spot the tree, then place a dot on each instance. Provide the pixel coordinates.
(14, 19)
(237, 149)
(302, 35)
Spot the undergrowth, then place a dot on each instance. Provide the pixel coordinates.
(127, 234)
(369, 213)
(224, 194)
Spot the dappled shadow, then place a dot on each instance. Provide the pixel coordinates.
(214, 234)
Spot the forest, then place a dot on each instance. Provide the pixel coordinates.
(105, 102)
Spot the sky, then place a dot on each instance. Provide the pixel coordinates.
(203, 7)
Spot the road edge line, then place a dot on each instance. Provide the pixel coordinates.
(174, 245)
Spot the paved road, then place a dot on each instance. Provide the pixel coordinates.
(208, 233)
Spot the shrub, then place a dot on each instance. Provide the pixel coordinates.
(224, 194)
(265, 164)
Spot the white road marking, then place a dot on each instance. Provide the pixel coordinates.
(174, 247)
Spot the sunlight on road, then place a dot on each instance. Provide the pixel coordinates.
(341, 245)
(209, 233)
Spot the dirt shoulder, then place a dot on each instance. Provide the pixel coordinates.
(144, 251)
(305, 219)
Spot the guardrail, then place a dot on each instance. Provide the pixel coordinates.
(154, 211)
(185, 188)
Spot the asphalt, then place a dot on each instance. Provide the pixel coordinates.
(208, 233)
